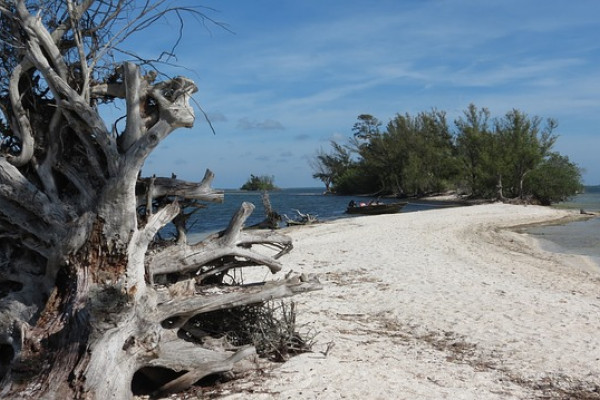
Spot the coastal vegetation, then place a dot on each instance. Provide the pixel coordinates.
(94, 303)
(259, 183)
(479, 156)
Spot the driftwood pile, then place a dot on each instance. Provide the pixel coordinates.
(90, 295)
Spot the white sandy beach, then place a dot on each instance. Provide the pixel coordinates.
(440, 304)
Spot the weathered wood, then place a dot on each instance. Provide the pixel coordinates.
(202, 370)
(177, 313)
(231, 242)
(80, 312)
(176, 187)
(272, 218)
(301, 219)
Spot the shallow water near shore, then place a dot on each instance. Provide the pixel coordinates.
(577, 237)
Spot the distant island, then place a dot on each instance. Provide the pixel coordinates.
(260, 183)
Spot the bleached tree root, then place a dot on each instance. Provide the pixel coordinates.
(90, 294)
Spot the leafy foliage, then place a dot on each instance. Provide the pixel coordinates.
(415, 155)
(366, 127)
(474, 151)
(554, 180)
(521, 145)
(329, 167)
(263, 182)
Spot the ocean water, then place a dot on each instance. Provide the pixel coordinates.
(579, 237)
(285, 202)
(588, 201)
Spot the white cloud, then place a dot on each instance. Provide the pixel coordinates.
(267, 124)
(313, 66)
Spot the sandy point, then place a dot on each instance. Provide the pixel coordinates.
(440, 304)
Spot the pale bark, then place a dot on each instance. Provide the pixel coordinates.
(83, 300)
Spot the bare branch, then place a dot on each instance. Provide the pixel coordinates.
(177, 312)
(39, 35)
(231, 242)
(180, 355)
(142, 238)
(188, 190)
(174, 111)
(134, 128)
(111, 90)
(44, 170)
(16, 188)
(71, 100)
(159, 220)
(21, 126)
(74, 16)
(189, 378)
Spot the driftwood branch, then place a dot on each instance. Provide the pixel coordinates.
(177, 312)
(159, 220)
(20, 123)
(164, 187)
(16, 188)
(80, 314)
(174, 111)
(134, 91)
(204, 369)
(231, 242)
(301, 219)
(44, 168)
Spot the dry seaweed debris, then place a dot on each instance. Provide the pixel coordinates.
(270, 326)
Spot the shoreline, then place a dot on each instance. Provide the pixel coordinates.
(571, 238)
(446, 303)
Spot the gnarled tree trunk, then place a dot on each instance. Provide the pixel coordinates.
(89, 295)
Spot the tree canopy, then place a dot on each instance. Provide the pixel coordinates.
(484, 157)
(259, 183)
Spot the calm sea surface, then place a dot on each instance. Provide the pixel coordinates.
(308, 200)
(582, 237)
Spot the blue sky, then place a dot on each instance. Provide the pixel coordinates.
(289, 76)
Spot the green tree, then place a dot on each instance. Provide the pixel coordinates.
(263, 182)
(555, 179)
(473, 139)
(415, 155)
(366, 127)
(382, 159)
(357, 180)
(521, 145)
(420, 154)
(329, 167)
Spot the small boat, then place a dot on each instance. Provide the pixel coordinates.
(376, 208)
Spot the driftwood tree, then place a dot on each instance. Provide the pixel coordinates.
(89, 295)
